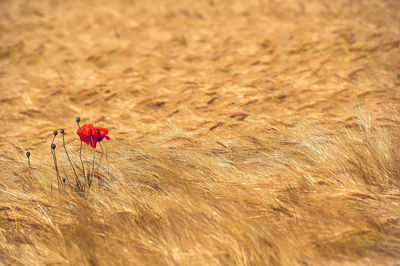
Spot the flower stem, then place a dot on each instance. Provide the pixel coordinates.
(28, 155)
(53, 152)
(108, 168)
(102, 151)
(29, 169)
(72, 166)
(80, 154)
(90, 181)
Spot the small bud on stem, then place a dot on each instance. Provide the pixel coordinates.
(28, 154)
(53, 152)
(55, 132)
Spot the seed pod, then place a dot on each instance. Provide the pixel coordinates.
(55, 132)
(78, 119)
(28, 154)
(53, 146)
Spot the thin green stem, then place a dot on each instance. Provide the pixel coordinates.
(80, 153)
(72, 166)
(29, 168)
(91, 139)
(53, 152)
(102, 151)
(108, 168)
(53, 140)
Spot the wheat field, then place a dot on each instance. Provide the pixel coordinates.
(257, 132)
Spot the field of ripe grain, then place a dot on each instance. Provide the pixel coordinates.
(257, 132)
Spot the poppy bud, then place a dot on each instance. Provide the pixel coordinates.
(62, 131)
(78, 119)
(64, 180)
(55, 132)
(53, 146)
(28, 154)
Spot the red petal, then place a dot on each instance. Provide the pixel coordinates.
(85, 139)
(86, 130)
(102, 131)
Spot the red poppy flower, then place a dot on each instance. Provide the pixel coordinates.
(86, 134)
(91, 135)
(101, 133)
